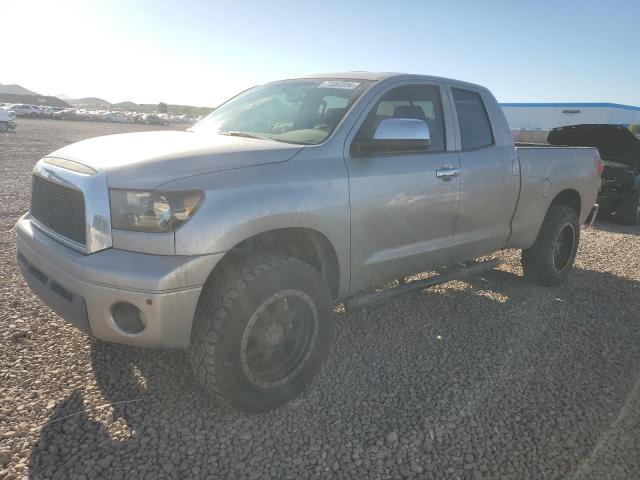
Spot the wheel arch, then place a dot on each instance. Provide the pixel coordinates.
(305, 244)
(530, 215)
(570, 198)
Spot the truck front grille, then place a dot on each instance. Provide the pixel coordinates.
(59, 208)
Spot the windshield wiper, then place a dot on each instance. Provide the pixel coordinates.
(235, 133)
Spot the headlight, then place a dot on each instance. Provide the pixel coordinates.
(152, 211)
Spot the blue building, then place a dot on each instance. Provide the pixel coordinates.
(545, 116)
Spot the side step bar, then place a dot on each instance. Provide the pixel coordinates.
(455, 272)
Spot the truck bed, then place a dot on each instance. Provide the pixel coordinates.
(547, 171)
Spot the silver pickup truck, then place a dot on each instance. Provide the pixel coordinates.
(235, 239)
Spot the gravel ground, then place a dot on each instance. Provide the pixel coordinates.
(486, 378)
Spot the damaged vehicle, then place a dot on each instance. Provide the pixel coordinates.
(619, 194)
(235, 240)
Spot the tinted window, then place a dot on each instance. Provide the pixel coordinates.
(475, 128)
(411, 101)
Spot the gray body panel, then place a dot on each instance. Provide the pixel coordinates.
(489, 188)
(310, 191)
(385, 216)
(402, 215)
(165, 288)
(144, 160)
(544, 173)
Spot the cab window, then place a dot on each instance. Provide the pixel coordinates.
(475, 128)
(420, 102)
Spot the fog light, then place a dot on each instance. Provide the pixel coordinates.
(128, 317)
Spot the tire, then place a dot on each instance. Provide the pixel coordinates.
(241, 328)
(4, 126)
(629, 211)
(549, 260)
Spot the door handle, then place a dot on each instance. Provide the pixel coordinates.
(447, 173)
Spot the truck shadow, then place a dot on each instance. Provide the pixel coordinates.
(607, 225)
(484, 358)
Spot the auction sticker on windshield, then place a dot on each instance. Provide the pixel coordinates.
(339, 84)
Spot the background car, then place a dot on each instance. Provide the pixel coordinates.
(619, 194)
(23, 110)
(152, 119)
(116, 117)
(49, 111)
(65, 114)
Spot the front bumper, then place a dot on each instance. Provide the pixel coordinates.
(83, 288)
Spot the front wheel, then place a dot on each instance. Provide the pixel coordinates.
(549, 260)
(4, 126)
(261, 331)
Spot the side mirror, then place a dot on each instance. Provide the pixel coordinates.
(398, 135)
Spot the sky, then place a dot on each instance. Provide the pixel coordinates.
(202, 52)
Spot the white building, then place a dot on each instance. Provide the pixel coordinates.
(545, 116)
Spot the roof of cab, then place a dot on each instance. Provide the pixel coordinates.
(377, 76)
(374, 76)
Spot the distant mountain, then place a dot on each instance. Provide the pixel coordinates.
(88, 102)
(125, 105)
(153, 107)
(190, 109)
(19, 94)
(15, 90)
(33, 100)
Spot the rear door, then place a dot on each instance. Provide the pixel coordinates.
(489, 180)
(402, 213)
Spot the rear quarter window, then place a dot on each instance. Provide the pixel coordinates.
(475, 127)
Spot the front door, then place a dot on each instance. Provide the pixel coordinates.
(402, 213)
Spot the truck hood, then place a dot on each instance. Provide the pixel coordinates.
(616, 144)
(148, 159)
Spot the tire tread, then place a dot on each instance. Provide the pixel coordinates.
(211, 320)
(537, 260)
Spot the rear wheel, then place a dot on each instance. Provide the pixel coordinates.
(629, 211)
(261, 331)
(4, 126)
(549, 260)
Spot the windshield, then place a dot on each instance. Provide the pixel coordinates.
(293, 111)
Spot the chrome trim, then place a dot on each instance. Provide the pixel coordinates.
(447, 172)
(96, 199)
(402, 129)
(69, 165)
